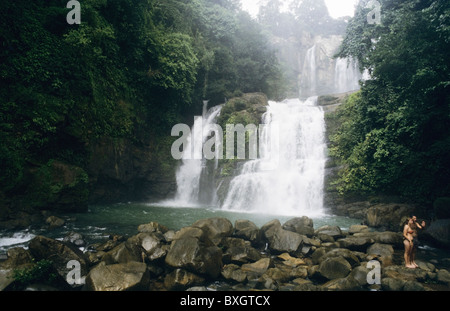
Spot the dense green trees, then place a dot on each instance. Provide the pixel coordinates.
(132, 69)
(395, 137)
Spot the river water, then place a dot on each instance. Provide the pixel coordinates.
(123, 219)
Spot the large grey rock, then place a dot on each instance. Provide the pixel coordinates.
(360, 273)
(438, 233)
(234, 273)
(152, 227)
(302, 225)
(215, 228)
(443, 276)
(247, 230)
(239, 251)
(59, 253)
(281, 240)
(333, 231)
(356, 243)
(180, 279)
(195, 255)
(351, 258)
(358, 229)
(382, 250)
(118, 277)
(257, 268)
(388, 216)
(152, 244)
(54, 222)
(123, 253)
(342, 284)
(334, 268)
(392, 284)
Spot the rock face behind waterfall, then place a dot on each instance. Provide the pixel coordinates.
(213, 252)
(246, 109)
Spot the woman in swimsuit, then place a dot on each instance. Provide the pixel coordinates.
(408, 241)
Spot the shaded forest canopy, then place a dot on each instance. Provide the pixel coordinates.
(134, 68)
(394, 136)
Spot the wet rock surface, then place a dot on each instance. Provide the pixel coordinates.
(238, 256)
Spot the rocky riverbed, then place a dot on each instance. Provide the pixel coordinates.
(214, 254)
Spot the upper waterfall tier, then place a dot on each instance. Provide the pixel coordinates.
(288, 177)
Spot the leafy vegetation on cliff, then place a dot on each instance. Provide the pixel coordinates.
(132, 69)
(395, 135)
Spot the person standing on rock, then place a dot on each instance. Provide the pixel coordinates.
(415, 227)
(408, 239)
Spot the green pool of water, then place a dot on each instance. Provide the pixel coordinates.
(123, 219)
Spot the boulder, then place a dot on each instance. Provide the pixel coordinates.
(302, 225)
(59, 253)
(351, 258)
(247, 230)
(318, 254)
(123, 253)
(234, 273)
(387, 237)
(290, 261)
(195, 255)
(334, 268)
(438, 233)
(75, 238)
(6, 278)
(239, 251)
(443, 276)
(299, 272)
(152, 227)
(54, 222)
(333, 231)
(279, 274)
(388, 216)
(360, 273)
(406, 274)
(153, 244)
(17, 256)
(356, 243)
(392, 284)
(358, 229)
(281, 240)
(342, 284)
(382, 250)
(118, 277)
(215, 228)
(257, 268)
(180, 279)
(413, 286)
(190, 232)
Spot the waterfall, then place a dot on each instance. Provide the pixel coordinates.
(346, 75)
(309, 77)
(193, 176)
(288, 177)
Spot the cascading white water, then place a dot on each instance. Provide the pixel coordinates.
(288, 177)
(189, 174)
(309, 77)
(346, 75)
